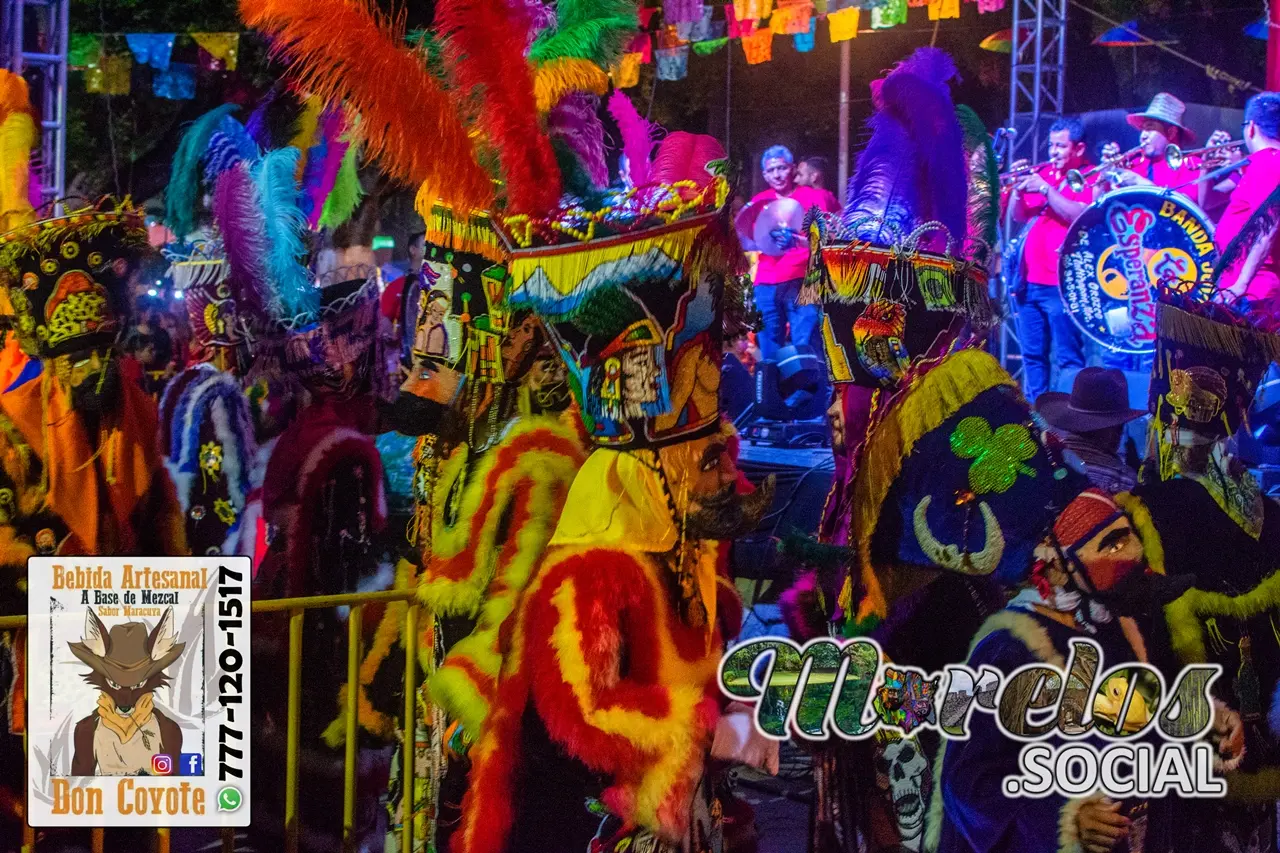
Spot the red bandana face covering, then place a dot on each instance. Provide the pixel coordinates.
(1099, 536)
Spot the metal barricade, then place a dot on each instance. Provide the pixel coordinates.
(296, 608)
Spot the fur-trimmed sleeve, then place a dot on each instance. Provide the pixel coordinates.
(608, 687)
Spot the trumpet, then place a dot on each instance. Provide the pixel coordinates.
(1016, 174)
(1175, 156)
(1077, 179)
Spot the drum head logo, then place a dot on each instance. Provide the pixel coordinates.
(1122, 253)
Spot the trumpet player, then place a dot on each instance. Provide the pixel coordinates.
(1160, 126)
(1253, 270)
(1044, 199)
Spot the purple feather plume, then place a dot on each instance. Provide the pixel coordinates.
(576, 122)
(239, 218)
(323, 159)
(899, 184)
(639, 135)
(534, 15)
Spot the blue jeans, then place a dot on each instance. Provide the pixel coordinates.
(778, 309)
(1044, 326)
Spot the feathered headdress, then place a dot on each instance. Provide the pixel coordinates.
(912, 171)
(639, 135)
(984, 188)
(215, 140)
(484, 49)
(18, 135)
(346, 52)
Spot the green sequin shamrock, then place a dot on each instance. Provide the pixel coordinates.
(997, 457)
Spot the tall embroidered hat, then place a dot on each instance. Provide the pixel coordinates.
(954, 475)
(459, 317)
(67, 277)
(891, 291)
(337, 349)
(633, 298)
(1209, 360)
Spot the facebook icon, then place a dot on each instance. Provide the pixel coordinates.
(191, 764)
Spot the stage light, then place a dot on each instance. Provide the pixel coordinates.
(152, 292)
(178, 294)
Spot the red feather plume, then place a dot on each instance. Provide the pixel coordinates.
(485, 50)
(346, 52)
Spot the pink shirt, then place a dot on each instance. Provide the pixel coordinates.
(1260, 179)
(793, 263)
(1043, 247)
(1158, 172)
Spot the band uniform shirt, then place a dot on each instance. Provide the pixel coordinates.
(793, 263)
(1158, 172)
(1045, 235)
(1259, 180)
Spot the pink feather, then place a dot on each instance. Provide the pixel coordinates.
(639, 135)
(684, 157)
(239, 218)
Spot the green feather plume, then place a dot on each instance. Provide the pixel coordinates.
(984, 187)
(183, 192)
(595, 30)
(347, 191)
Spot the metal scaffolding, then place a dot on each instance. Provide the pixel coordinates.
(1039, 72)
(33, 39)
(1037, 82)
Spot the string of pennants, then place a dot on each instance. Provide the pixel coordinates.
(108, 60)
(668, 35)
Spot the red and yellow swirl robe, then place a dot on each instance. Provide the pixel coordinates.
(599, 651)
(481, 568)
(477, 564)
(648, 731)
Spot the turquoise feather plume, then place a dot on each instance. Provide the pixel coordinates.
(293, 293)
(183, 192)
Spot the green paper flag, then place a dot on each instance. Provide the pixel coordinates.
(84, 51)
(706, 48)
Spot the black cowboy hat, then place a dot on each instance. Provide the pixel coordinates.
(1099, 399)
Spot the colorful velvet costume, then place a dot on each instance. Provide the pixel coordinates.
(607, 691)
(1203, 516)
(79, 470)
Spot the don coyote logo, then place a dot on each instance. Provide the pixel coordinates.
(127, 664)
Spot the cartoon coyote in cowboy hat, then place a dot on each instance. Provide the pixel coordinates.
(126, 731)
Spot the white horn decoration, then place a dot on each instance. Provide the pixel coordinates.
(951, 557)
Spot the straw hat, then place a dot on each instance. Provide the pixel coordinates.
(1166, 108)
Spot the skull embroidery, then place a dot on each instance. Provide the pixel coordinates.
(902, 772)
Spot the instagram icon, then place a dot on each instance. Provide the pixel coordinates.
(162, 765)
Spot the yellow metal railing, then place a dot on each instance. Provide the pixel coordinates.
(296, 608)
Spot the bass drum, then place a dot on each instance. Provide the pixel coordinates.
(1123, 252)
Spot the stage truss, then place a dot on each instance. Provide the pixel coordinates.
(1037, 83)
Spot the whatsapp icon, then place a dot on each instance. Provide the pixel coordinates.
(229, 799)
